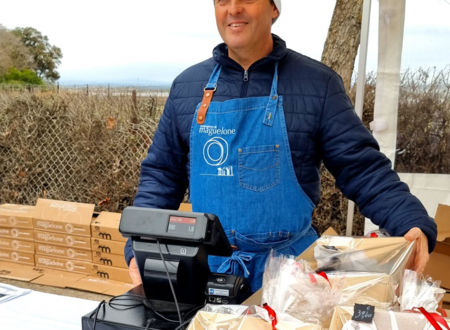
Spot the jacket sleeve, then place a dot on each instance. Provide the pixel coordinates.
(163, 179)
(363, 173)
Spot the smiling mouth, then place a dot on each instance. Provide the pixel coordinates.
(236, 25)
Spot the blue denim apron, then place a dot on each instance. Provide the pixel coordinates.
(241, 170)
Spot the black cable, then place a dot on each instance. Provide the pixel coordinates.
(170, 283)
(102, 303)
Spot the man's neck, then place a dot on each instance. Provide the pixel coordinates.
(246, 58)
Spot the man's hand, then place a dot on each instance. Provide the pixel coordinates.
(419, 256)
(134, 272)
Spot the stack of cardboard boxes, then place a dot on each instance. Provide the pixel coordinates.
(16, 233)
(108, 248)
(62, 235)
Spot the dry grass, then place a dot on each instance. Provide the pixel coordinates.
(88, 148)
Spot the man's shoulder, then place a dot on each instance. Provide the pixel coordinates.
(307, 67)
(196, 73)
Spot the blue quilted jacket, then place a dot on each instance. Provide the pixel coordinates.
(322, 126)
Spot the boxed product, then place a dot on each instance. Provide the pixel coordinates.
(115, 260)
(63, 251)
(381, 319)
(347, 258)
(17, 257)
(71, 265)
(17, 233)
(107, 247)
(79, 242)
(438, 265)
(237, 317)
(106, 226)
(16, 245)
(63, 217)
(18, 216)
(111, 273)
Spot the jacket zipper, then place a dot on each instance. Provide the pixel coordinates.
(245, 84)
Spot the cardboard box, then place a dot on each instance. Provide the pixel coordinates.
(439, 263)
(115, 260)
(185, 207)
(17, 256)
(382, 294)
(204, 320)
(382, 319)
(107, 247)
(63, 251)
(17, 233)
(16, 245)
(19, 272)
(106, 226)
(112, 273)
(63, 217)
(17, 216)
(71, 265)
(79, 242)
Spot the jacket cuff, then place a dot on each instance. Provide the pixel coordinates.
(128, 252)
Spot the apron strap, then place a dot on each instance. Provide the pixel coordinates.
(272, 105)
(208, 93)
(237, 259)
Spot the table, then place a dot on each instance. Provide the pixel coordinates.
(44, 311)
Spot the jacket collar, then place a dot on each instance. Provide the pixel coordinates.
(220, 54)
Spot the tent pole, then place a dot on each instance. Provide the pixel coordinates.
(360, 85)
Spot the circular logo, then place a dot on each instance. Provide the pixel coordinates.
(215, 151)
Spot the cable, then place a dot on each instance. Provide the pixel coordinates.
(102, 303)
(170, 283)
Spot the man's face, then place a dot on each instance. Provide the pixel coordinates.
(245, 24)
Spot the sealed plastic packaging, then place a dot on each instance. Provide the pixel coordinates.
(387, 320)
(292, 287)
(387, 255)
(418, 291)
(239, 317)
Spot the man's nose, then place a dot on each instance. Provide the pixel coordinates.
(236, 7)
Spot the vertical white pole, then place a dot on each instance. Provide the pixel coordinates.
(360, 84)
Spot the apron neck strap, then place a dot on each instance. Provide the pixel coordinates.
(208, 93)
(272, 104)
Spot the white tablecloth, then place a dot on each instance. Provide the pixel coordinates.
(38, 310)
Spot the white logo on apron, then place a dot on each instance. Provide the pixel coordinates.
(215, 151)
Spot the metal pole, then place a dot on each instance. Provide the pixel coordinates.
(360, 85)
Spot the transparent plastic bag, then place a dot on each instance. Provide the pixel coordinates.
(387, 255)
(292, 287)
(240, 317)
(418, 291)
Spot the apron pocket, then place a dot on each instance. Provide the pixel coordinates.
(259, 167)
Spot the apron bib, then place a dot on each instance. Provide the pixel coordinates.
(241, 170)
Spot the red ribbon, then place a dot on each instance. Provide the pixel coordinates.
(272, 315)
(434, 319)
(324, 275)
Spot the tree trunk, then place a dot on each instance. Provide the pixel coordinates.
(343, 38)
(339, 53)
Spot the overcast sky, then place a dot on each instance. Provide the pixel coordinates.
(149, 41)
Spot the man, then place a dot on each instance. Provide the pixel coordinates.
(247, 130)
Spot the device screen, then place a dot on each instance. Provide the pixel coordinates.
(184, 226)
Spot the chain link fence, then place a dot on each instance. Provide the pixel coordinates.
(75, 145)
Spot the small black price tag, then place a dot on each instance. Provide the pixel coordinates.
(363, 313)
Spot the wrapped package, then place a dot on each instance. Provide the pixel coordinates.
(234, 317)
(418, 291)
(292, 287)
(386, 320)
(368, 269)
(387, 255)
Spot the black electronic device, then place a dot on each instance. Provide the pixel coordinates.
(173, 244)
(171, 249)
(226, 289)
